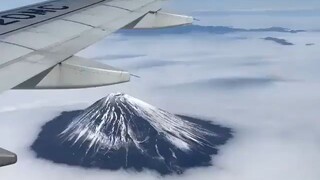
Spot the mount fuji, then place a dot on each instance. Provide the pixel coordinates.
(122, 132)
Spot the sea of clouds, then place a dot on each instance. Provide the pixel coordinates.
(267, 92)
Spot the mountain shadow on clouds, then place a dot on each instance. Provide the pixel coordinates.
(229, 83)
(122, 132)
(279, 41)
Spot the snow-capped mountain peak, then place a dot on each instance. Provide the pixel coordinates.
(120, 120)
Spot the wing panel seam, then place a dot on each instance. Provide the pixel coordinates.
(78, 22)
(19, 45)
(118, 7)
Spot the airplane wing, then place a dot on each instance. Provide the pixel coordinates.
(38, 43)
